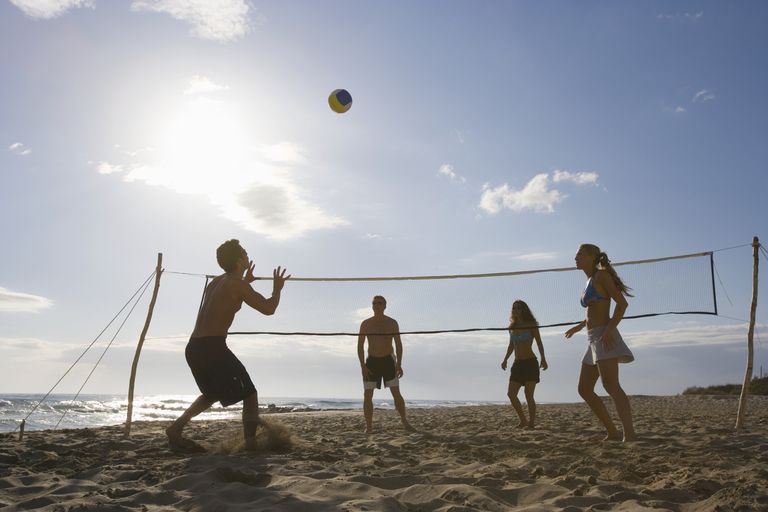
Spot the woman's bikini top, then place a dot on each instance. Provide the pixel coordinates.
(520, 337)
(590, 294)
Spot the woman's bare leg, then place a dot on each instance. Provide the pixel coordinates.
(529, 389)
(514, 387)
(609, 375)
(587, 380)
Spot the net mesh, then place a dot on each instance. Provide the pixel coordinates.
(434, 304)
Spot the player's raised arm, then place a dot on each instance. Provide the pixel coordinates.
(256, 300)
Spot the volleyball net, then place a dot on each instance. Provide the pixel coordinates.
(335, 306)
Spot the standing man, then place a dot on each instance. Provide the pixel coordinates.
(220, 376)
(381, 363)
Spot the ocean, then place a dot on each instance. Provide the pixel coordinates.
(61, 412)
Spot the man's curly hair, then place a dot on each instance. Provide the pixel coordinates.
(228, 254)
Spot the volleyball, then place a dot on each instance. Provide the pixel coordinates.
(340, 101)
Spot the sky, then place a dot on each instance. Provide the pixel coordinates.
(483, 137)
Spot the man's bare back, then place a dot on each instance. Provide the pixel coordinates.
(225, 295)
(223, 298)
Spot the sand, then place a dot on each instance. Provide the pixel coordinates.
(468, 458)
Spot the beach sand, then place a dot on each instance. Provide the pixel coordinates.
(467, 458)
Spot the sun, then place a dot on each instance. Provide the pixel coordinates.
(205, 147)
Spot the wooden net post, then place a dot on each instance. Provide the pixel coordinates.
(750, 335)
(135, 365)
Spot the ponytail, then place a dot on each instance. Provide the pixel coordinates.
(605, 264)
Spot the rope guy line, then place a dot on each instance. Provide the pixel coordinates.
(104, 352)
(722, 285)
(85, 351)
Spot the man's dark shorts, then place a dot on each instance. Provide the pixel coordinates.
(220, 376)
(525, 370)
(382, 368)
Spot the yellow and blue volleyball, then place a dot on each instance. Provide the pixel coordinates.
(340, 101)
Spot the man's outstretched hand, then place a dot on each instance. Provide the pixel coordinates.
(278, 278)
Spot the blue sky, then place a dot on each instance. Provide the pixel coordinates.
(483, 137)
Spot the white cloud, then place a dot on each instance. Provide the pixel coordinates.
(119, 148)
(687, 16)
(449, 171)
(107, 168)
(679, 109)
(206, 148)
(376, 236)
(278, 210)
(283, 152)
(361, 314)
(273, 207)
(535, 196)
(695, 334)
(703, 96)
(217, 20)
(19, 149)
(488, 259)
(15, 302)
(459, 136)
(199, 84)
(579, 178)
(47, 9)
(537, 256)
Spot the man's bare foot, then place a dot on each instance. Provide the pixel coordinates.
(173, 431)
(183, 444)
(408, 427)
(530, 426)
(612, 436)
(250, 444)
(522, 424)
(630, 437)
(178, 443)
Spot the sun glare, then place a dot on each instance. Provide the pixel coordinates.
(205, 148)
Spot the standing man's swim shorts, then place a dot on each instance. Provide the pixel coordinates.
(382, 369)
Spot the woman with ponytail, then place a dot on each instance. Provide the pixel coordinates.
(606, 347)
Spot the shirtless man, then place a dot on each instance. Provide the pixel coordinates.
(381, 363)
(219, 374)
